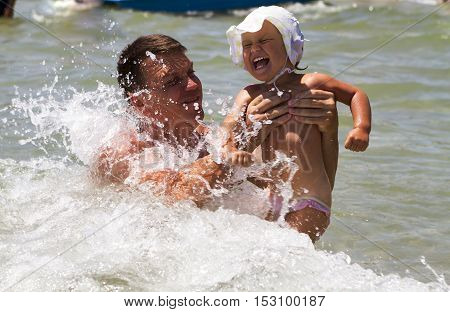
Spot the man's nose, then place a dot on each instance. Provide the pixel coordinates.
(191, 84)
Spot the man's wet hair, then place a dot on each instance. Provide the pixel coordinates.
(131, 76)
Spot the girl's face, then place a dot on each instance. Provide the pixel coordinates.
(264, 52)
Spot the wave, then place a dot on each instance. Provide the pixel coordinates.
(76, 236)
(308, 11)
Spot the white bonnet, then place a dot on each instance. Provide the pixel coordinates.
(283, 20)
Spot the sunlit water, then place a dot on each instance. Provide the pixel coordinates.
(60, 231)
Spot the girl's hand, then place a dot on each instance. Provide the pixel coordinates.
(357, 140)
(241, 158)
(233, 156)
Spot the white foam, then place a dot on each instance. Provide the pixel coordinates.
(142, 243)
(130, 239)
(427, 2)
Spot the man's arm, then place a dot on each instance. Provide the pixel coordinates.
(113, 163)
(194, 182)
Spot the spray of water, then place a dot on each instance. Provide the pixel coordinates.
(132, 239)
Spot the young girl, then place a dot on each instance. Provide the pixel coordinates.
(269, 45)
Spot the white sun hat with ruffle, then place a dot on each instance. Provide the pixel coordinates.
(282, 19)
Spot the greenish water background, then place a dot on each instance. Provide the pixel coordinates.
(396, 193)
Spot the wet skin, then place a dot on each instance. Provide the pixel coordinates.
(173, 96)
(264, 52)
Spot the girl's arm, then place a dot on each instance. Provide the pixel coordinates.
(235, 120)
(234, 148)
(358, 138)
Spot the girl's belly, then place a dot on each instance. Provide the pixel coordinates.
(303, 144)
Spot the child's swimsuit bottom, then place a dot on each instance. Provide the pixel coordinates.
(276, 202)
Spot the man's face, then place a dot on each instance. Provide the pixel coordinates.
(174, 91)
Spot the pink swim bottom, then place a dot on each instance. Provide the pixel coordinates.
(276, 203)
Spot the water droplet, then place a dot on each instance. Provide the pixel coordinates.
(348, 259)
(111, 26)
(151, 55)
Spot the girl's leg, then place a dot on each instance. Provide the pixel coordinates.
(309, 221)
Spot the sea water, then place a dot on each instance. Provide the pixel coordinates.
(58, 105)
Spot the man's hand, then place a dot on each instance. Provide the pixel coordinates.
(357, 140)
(315, 107)
(267, 107)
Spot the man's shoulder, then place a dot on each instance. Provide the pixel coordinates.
(112, 160)
(125, 142)
(120, 139)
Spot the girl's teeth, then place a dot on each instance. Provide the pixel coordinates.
(260, 62)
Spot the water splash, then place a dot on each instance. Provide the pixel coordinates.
(74, 122)
(44, 12)
(129, 239)
(427, 2)
(439, 277)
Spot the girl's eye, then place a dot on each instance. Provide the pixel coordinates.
(265, 40)
(247, 46)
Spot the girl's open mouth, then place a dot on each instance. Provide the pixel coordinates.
(260, 63)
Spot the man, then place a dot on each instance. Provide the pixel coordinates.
(160, 84)
(7, 8)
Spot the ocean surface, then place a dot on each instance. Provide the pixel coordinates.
(390, 226)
